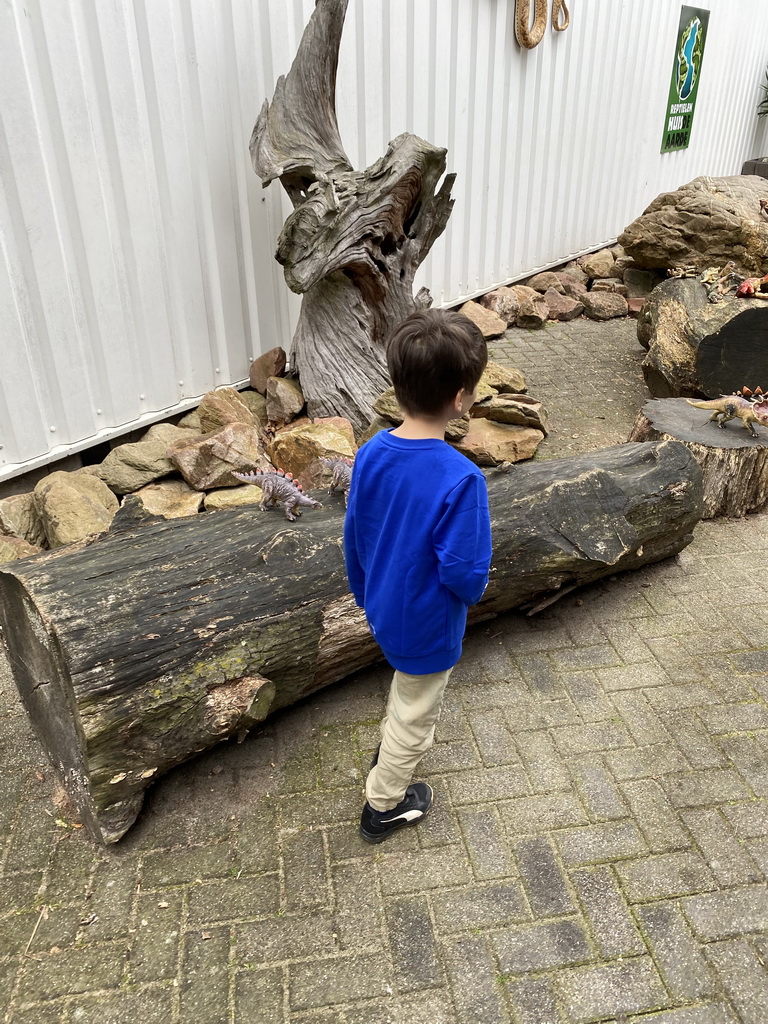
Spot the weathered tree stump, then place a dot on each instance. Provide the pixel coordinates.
(160, 638)
(696, 347)
(355, 239)
(734, 465)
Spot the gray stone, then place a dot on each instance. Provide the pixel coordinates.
(12, 548)
(284, 399)
(208, 461)
(491, 324)
(604, 305)
(534, 311)
(562, 306)
(503, 379)
(171, 499)
(256, 404)
(610, 284)
(130, 466)
(270, 364)
(223, 406)
(518, 409)
(640, 282)
(599, 264)
(72, 506)
(19, 518)
(232, 497)
(503, 302)
(545, 281)
(705, 223)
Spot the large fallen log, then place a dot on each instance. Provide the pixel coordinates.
(734, 464)
(160, 638)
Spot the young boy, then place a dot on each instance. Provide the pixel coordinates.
(417, 542)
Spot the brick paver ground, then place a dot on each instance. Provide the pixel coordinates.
(598, 850)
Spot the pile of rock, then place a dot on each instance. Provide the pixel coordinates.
(184, 468)
(601, 286)
(504, 425)
(181, 469)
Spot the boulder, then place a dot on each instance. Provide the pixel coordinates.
(270, 364)
(72, 506)
(210, 460)
(285, 399)
(544, 281)
(489, 444)
(503, 302)
(387, 407)
(233, 497)
(257, 404)
(571, 287)
(298, 451)
(503, 379)
(19, 518)
(340, 423)
(604, 305)
(490, 323)
(562, 307)
(223, 406)
(518, 409)
(534, 311)
(300, 421)
(130, 466)
(640, 282)
(191, 421)
(575, 272)
(704, 223)
(599, 264)
(610, 284)
(698, 347)
(170, 499)
(12, 548)
(484, 390)
(377, 423)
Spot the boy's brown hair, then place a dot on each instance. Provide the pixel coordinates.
(431, 356)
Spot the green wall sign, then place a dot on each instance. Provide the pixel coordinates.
(686, 73)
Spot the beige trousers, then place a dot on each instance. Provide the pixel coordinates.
(407, 733)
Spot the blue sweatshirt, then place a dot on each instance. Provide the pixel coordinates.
(417, 543)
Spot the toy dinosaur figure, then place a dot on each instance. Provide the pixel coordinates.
(764, 208)
(753, 288)
(717, 281)
(342, 474)
(749, 406)
(279, 486)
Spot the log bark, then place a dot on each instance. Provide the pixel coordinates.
(160, 638)
(355, 239)
(734, 465)
(699, 348)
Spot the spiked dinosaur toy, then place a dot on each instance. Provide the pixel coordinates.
(749, 406)
(279, 486)
(342, 475)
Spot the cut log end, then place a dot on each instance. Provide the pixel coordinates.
(734, 464)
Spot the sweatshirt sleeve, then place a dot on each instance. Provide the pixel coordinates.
(462, 540)
(355, 571)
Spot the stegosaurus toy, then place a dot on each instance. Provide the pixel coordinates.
(749, 406)
(342, 474)
(279, 486)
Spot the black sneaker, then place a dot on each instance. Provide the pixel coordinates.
(376, 826)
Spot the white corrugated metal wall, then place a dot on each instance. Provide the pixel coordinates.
(137, 242)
